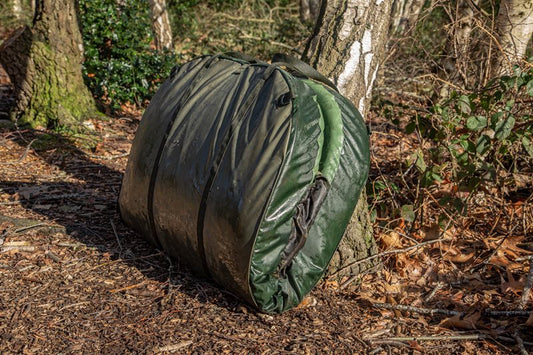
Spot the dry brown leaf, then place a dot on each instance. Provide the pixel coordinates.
(515, 286)
(430, 233)
(391, 240)
(467, 323)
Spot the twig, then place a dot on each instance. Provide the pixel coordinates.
(510, 313)
(438, 286)
(527, 287)
(23, 154)
(53, 256)
(388, 252)
(110, 157)
(430, 311)
(520, 343)
(127, 287)
(433, 338)
(23, 229)
(116, 235)
(172, 348)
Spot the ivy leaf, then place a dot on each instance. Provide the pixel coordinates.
(464, 104)
(529, 87)
(528, 146)
(407, 213)
(476, 123)
(483, 144)
(504, 127)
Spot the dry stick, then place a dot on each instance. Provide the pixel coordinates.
(527, 287)
(438, 286)
(432, 338)
(23, 229)
(430, 311)
(110, 157)
(520, 343)
(510, 313)
(22, 156)
(388, 252)
(116, 235)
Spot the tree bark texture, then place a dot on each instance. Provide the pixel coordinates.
(44, 65)
(458, 45)
(514, 26)
(309, 10)
(404, 15)
(348, 46)
(161, 25)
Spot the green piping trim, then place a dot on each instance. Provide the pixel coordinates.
(333, 137)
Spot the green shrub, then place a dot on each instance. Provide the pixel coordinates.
(479, 140)
(120, 64)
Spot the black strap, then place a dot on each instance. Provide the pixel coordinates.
(151, 187)
(228, 135)
(298, 67)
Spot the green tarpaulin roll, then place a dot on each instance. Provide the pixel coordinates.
(248, 172)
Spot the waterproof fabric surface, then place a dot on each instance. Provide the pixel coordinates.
(247, 174)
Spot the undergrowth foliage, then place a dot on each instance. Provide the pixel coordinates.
(121, 64)
(475, 142)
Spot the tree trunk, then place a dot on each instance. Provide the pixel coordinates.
(17, 8)
(309, 10)
(347, 46)
(404, 15)
(514, 26)
(458, 63)
(161, 25)
(44, 65)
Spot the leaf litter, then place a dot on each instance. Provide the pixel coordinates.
(86, 286)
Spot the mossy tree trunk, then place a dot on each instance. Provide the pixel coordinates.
(44, 64)
(348, 46)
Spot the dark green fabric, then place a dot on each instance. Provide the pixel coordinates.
(224, 154)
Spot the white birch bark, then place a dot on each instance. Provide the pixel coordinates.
(161, 25)
(514, 26)
(348, 46)
(404, 15)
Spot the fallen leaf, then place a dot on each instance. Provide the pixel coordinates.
(529, 321)
(515, 286)
(391, 240)
(467, 323)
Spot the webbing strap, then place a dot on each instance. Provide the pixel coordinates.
(184, 98)
(236, 120)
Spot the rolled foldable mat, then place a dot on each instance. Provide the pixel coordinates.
(247, 172)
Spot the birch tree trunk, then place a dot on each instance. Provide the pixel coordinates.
(404, 15)
(348, 46)
(44, 64)
(17, 8)
(514, 26)
(161, 25)
(458, 46)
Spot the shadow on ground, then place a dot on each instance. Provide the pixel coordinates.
(84, 206)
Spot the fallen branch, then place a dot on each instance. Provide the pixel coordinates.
(432, 338)
(108, 157)
(510, 313)
(404, 308)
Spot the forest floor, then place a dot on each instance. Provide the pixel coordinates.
(74, 278)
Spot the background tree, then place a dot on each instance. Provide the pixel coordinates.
(514, 27)
(161, 25)
(348, 45)
(44, 64)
